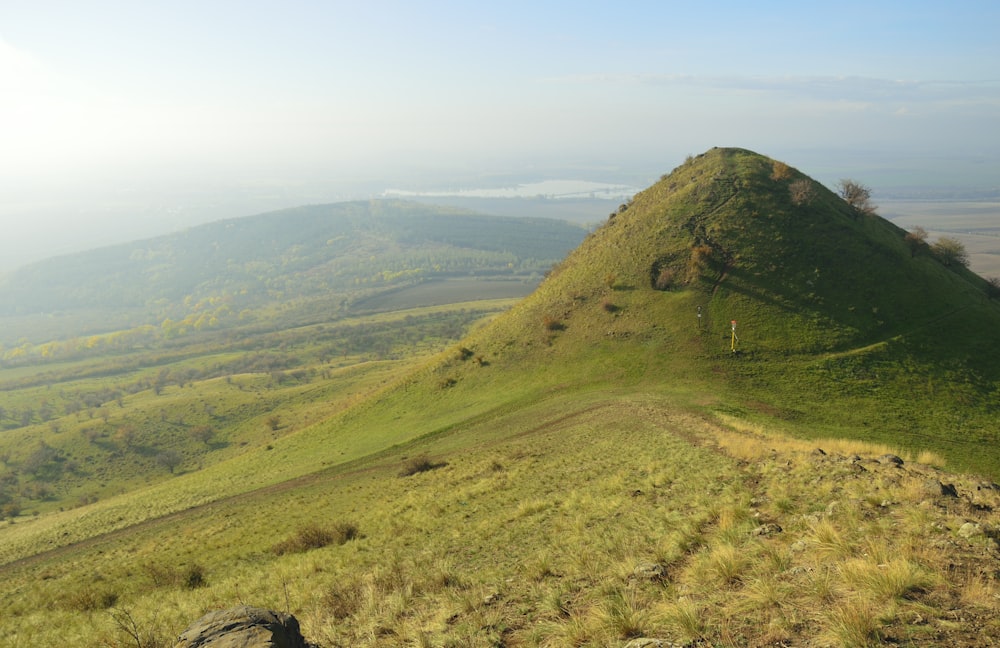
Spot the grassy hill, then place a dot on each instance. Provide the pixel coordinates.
(842, 327)
(334, 253)
(597, 464)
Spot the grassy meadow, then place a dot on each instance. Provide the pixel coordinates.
(582, 518)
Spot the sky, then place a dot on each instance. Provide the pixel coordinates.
(126, 118)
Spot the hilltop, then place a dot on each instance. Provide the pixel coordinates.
(599, 464)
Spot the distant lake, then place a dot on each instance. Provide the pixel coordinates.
(546, 188)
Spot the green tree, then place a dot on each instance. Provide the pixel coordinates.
(202, 433)
(950, 251)
(169, 459)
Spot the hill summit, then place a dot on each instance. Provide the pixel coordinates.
(746, 278)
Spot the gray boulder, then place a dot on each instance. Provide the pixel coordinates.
(936, 487)
(243, 627)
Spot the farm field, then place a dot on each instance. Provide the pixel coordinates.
(975, 224)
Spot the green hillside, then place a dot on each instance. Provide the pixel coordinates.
(597, 464)
(338, 252)
(842, 328)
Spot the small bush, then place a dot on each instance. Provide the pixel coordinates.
(195, 577)
(801, 191)
(664, 279)
(993, 287)
(916, 240)
(316, 537)
(419, 464)
(780, 171)
(552, 324)
(91, 599)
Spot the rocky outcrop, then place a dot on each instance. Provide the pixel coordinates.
(243, 627)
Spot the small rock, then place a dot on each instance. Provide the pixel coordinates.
(646, 642)
(935, 487)
(799, 546)
(490, 599)
(890, 459)
(970, 529)
(768, 529)
(649, 571)
(819, 452)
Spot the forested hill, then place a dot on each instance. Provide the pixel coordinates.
(290, 253)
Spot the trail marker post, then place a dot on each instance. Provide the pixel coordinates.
(699, 318)
(735, 339)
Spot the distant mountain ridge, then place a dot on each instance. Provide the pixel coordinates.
(296, 251)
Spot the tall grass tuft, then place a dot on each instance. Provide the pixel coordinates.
(622, 614)
(853, 624)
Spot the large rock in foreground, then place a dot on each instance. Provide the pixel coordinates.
(243, 627)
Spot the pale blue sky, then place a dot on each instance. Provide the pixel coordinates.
(131, 116)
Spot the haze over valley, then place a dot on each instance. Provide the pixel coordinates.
(123, 121)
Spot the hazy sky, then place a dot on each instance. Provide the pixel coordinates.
(132, 117)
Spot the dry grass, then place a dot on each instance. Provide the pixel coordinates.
(752, 442)
(789, 547)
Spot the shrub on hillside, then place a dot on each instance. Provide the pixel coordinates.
(780, 171)
(316, 537)
(552, 324)
(419, 464)
(993, 287)
(916, 240)
(950, 252)
(857, 196)
(664, 279)
(801, 191)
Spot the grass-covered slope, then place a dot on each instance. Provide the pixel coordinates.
(291, 253)
(598, 465)
(842, 328)
(580, 520)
